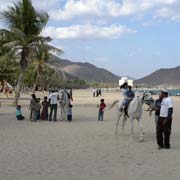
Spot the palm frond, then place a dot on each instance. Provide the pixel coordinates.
(12, 44)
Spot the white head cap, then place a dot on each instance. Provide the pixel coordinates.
(164, 90)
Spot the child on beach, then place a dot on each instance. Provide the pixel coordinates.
(102, 107)
(69, 112)
(45, 106)
(19, 115)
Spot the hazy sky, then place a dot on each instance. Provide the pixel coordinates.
(128, 37)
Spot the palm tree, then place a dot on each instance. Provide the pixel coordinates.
(42, 57)
(25, 25)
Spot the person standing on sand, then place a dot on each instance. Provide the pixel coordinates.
(69, 113)
(71, 94)
(158, 108)
(100, 92)
(32, 107)
(94, 92)
(165, 122)
(45, 106)
(97, 92)
(38, 109)
(102, 107)
(53, 101)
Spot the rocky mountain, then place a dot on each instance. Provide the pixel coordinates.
(84, 71)
(162, 78)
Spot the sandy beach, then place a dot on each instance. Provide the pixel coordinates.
(84, 149)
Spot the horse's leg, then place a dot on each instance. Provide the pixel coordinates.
(123, 124)
(60, 111)
(62, 116)
(64, 112)
(131, 132)
(141, 137)
(117, 123)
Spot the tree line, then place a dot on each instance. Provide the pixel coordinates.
(24, 52)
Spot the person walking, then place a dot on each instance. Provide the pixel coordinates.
(53, 101)
(164, 121)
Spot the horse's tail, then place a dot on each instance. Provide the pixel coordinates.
(113, 104)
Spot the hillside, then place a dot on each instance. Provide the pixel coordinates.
(162, 78)
(84, 71)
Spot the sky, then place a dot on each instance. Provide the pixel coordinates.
(127, 37)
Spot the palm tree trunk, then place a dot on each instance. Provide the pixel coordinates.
(36, 81)
(18, 86)
(23, 66)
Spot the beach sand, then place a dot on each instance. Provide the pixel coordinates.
(84, 149)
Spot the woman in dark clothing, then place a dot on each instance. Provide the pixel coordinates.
(45, 106)
(32, 107)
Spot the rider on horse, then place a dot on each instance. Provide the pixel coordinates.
(128, 97)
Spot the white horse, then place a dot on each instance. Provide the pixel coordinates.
(134, 112)
(64, 102)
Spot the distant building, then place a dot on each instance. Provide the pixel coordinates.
(125, 79)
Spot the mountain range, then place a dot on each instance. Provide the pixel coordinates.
(84, 71)
(169, 77)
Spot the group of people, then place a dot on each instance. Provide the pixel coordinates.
(97, 92)
(163, 111)
(163, 108)
(37, 109)
(128, 95)
(40, 110)
(163, 114)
